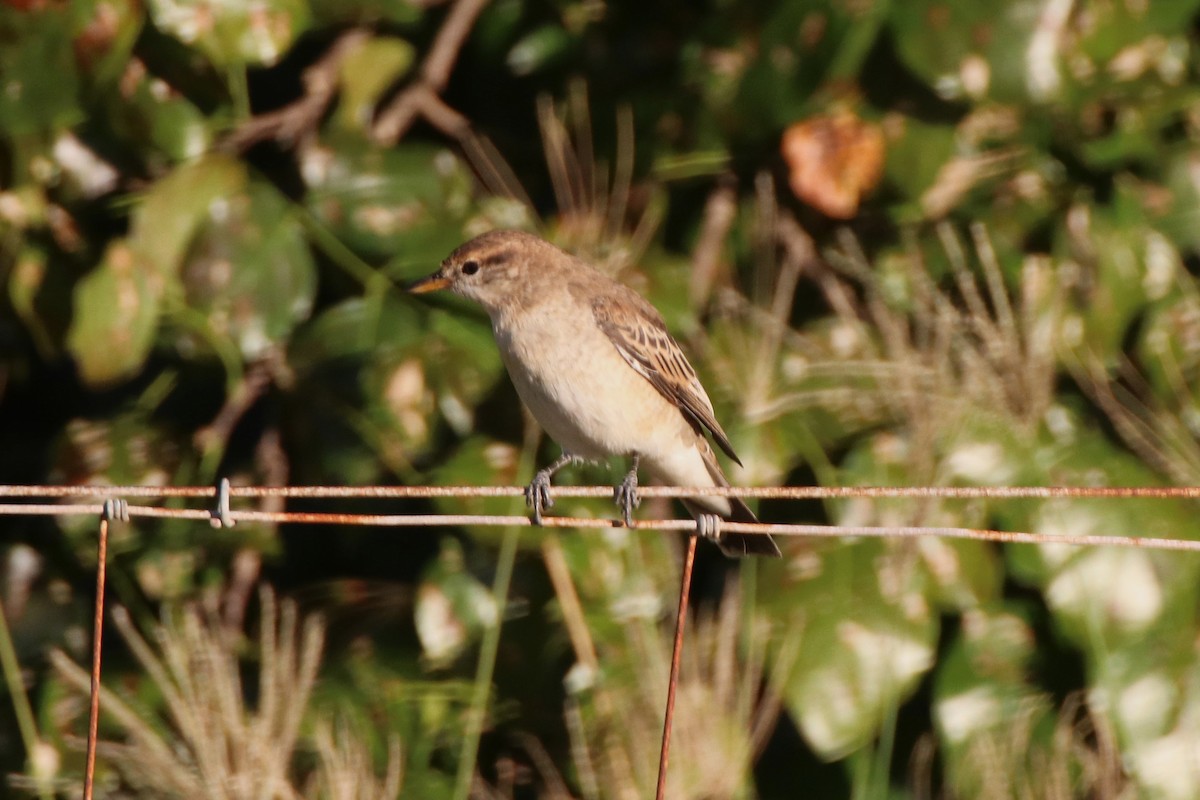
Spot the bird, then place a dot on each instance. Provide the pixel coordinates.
(596, 366)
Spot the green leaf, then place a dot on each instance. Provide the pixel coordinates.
(116, 315)
(365, 74)
(1182, 179)
(25, 282)
(938, 38)
(983, 704)
(916, 153)
(1158, 590)
(793, 53)
(538, 49)
(249, 270)
(174, 208)
(1123, 258)
(867, 636)
(349, 419)
(453, 607)
(1113, 27)
(234, 34)
(481, 461)
(355, 330)
(40, 80)
(407, 204)
(1169, 346)
(328, 13)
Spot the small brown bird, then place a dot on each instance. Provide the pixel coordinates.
(596, 366)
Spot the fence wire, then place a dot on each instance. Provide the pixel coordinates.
(223, 514)
(113, 503)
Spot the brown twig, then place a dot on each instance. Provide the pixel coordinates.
(568, 600)
(287, 124)
(245, 394)
(685, 587)
(799, 256)
(720, 211)
(247, 562)
(421, 98)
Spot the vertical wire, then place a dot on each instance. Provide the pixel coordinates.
(685, 587)
(97, 642)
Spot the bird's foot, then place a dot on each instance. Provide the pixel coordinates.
(537, 495)
(626, 496)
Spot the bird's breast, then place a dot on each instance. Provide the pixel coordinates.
(578, 387)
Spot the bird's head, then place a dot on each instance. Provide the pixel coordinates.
(493, 269)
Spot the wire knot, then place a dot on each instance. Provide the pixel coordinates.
(708, 526)
(115, 509)
(221, 517)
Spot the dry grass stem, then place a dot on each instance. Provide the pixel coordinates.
(346, 771)
(594, 208)
(1079, 758)
(722, 716)
(212, 743)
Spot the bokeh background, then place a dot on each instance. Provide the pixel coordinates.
(909, 243)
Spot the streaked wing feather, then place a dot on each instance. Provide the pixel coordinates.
(641, 337)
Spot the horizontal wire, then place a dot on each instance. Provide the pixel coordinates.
(661, 525)
(760, 492)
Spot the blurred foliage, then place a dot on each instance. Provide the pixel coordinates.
(904, 243)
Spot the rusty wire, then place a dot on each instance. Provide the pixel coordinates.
(89, 772)
(115, 505)
(685, 588)
(658, 525)
(758, 492)
(112, 509)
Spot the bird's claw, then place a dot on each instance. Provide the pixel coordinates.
(537, 495)
(626, 496)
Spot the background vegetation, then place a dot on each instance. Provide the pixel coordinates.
(918, 242)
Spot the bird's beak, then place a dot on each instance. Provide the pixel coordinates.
(430, 283)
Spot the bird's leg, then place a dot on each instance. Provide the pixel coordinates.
(537, 493)
(626, 494)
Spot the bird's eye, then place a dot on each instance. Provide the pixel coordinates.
(470, 267)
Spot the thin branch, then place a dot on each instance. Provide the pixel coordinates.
(214, 435)
(289, 123)
(720, 211)
(421, 98)
(440, 61)
(568, 600)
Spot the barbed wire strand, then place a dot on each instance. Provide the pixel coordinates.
(224, 516)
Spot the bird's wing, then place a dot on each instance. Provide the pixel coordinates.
(640, 336)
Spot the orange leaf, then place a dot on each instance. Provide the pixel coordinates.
(833, 161)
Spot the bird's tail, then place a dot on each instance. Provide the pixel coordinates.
(735, 545)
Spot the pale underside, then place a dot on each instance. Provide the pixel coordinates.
(604, 379)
